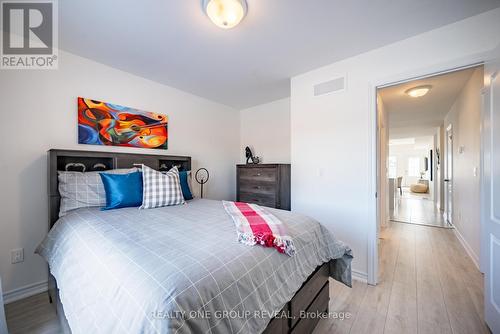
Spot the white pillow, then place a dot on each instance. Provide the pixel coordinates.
(83, 189)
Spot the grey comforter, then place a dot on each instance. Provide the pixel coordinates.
(179, 269)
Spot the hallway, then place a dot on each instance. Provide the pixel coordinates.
(427, 284)
(417, 209)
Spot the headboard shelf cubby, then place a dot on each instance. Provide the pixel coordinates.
(60, 160)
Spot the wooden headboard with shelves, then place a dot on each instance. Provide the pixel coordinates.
(60, 160)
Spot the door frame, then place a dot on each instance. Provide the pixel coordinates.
(448, 212)
(374, 153)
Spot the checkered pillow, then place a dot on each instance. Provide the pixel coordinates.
(83, 189)
(160, 189)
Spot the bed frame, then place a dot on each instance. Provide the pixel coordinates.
(59, 160)
(313, 296)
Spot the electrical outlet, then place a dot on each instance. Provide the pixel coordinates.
(17, 255)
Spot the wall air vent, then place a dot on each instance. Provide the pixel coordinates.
(334, 85)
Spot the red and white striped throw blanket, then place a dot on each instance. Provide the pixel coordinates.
(255, 225)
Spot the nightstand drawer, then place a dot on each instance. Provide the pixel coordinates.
(258, 174)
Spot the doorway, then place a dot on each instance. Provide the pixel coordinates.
(429, 174)
(480, 191)
(420, 119)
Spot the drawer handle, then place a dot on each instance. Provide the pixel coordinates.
(257, 187)
(258, 174)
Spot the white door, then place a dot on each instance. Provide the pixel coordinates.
(490, 208)
(448, 176)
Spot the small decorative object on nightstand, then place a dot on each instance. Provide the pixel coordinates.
(202, 177)
(264, 184)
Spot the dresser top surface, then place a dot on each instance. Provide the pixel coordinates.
(260, 165)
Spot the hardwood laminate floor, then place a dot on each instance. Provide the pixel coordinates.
(428, 284)
(417, 209)
(33, 315)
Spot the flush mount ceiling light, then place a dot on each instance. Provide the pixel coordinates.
(418, 91)
(225, 14)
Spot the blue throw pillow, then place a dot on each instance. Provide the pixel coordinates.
(122, 190)
(186, 192)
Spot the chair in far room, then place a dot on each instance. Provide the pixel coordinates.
(399, 185)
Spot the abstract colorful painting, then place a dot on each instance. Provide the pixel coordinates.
(101, 123)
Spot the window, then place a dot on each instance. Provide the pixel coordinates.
(392, 167)
(414, 166)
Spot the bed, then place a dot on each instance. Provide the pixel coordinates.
(180, 269)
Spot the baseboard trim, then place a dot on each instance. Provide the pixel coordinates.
(25, 292)
(359, 276)
(467, 247)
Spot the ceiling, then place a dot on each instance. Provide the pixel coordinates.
(174, 43)
(415, 117)
(420, 143)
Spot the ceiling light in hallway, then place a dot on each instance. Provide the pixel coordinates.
(418, 91)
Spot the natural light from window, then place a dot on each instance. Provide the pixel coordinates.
(393, 167)
(414, 166)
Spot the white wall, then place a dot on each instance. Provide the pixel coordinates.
(266, 129)
(39, 111)
(465, 117)
(333, 136)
